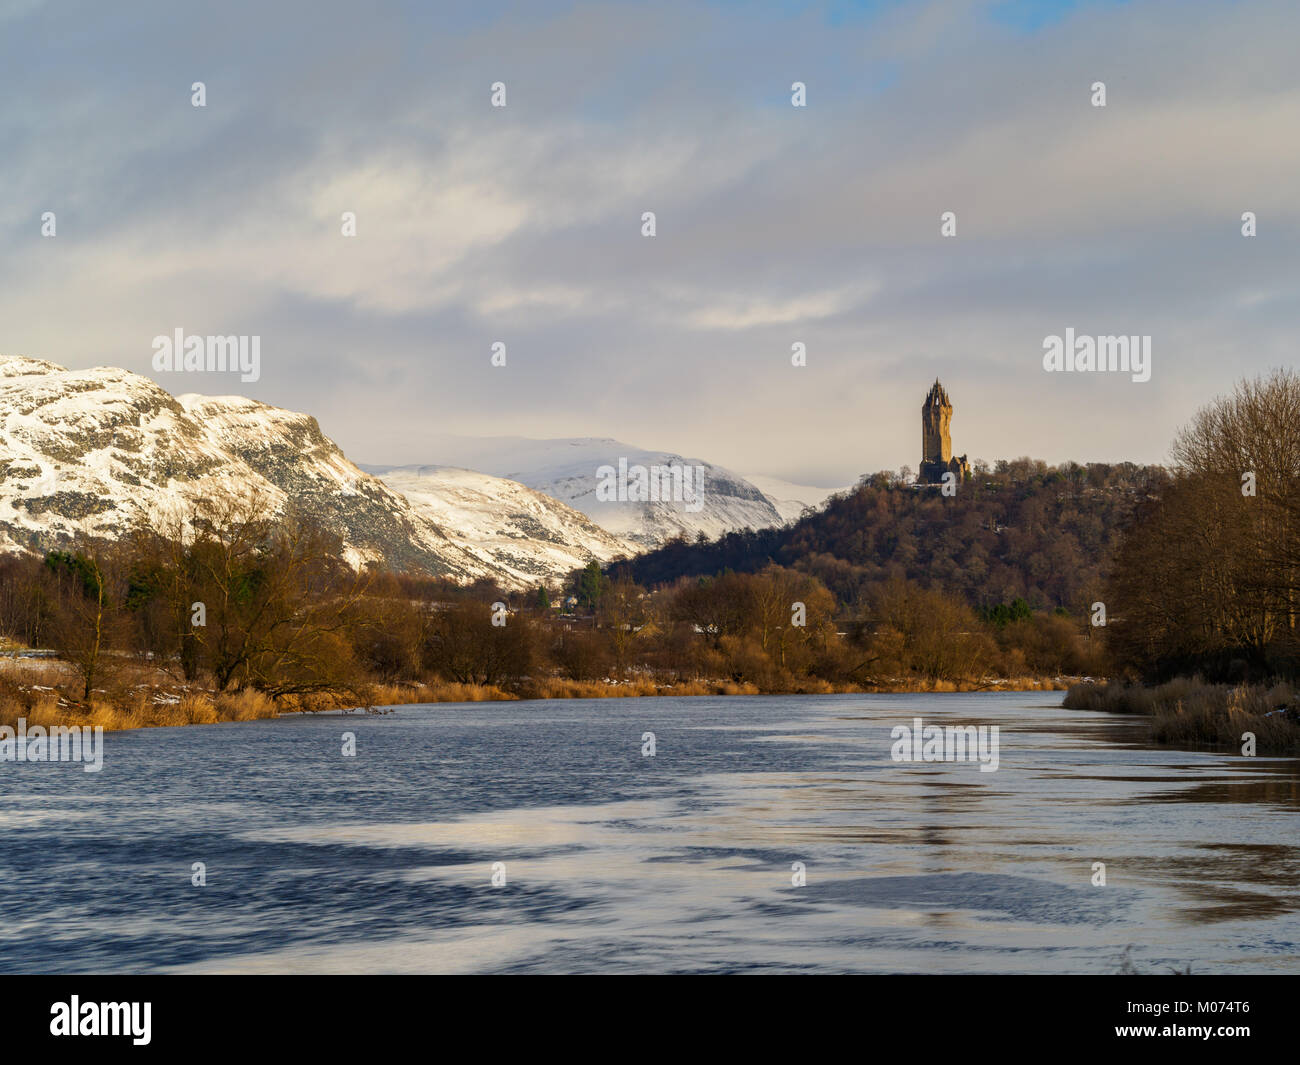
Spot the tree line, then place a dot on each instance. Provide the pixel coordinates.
(230, 597)
(1206, 578)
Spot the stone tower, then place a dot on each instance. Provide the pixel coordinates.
(936, 442)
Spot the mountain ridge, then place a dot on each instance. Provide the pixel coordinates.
(567, 469)
(87, 454)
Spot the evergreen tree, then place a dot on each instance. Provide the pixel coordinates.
(591, 585)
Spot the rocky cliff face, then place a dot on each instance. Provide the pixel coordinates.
(89, 453)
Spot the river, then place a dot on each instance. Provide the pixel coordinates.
(683, 861)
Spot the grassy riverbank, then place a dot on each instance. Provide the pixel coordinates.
(1190, 712)
(41, 691)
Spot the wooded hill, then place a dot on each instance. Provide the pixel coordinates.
(1019, 529)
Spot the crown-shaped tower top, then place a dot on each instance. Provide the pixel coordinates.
(937, 396)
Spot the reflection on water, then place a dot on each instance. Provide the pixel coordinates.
(680, 862)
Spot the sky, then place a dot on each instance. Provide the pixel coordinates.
(774, 224)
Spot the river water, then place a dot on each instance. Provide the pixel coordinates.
(614, 861)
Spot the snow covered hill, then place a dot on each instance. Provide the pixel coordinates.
(523, 532)
(570, 470)
(88, 453)
(790, 499)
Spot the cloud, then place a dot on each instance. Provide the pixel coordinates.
(741, 311)
(775, 224)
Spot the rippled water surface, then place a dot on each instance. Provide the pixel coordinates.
(615, 862)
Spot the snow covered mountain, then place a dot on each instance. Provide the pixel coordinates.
(523, 532)
(790, 499)
(570, 470)
(88, 453)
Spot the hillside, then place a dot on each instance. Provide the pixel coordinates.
(1022, 529)
(566, 469)
(88, 454)
(527, 534)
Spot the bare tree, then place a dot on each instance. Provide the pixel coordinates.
(88, 592)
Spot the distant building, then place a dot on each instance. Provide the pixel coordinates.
(936, 442)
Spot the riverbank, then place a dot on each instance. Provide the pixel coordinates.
(41, 692)
(1189, 712)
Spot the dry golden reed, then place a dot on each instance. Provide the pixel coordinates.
(1191, 712)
